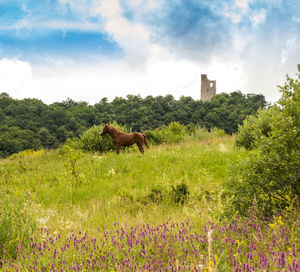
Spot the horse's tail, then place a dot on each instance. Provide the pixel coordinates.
(146, 141)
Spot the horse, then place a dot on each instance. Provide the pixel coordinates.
(120, 138)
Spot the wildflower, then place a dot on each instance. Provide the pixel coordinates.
(201, 266)
(111, 172)
(279, 220)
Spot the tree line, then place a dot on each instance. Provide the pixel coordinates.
(32, 124)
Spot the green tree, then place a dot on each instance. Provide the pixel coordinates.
(31, 123)
(271, 175)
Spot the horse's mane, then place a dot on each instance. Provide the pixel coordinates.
(115, 130)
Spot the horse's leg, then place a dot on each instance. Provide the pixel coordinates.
(145, 140)
(140, 145)
(117, 148)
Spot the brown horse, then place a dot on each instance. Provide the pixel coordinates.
(120, 138)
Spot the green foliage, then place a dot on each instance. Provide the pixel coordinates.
(156, 195)
(17, 225)
(31, 124)
(91, 140)
(218, 132)
(72, 161)
(254, 127)
(173, 195)
(191, 129)
(271, 176)
(173, 133)
(20, 158)
(180, 193)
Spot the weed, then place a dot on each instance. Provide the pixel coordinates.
(180, 193)
(156, 195)
(72, 160)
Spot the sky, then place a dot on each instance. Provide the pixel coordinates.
(90, 49)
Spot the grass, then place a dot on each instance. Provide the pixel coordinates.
(111, 187)
(67, 191)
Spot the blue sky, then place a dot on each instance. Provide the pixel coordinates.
(90, 49)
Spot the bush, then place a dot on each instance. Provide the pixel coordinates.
(173, 133)
(156, 195)
(155, 136)
(217, 132)
(271, 175)
(254, 127)
(180, 193)
(91, 140)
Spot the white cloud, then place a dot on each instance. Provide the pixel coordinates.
(283, 54)
(132, 37)
(27, 24)
(237, 11)
(258, 17)
(241, 10)
(287, 51)
(143, 6)
(15, 76)
(243, 4)
(164, 74)
(296, 19)
(80, 8)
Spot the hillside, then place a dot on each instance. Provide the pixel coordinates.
(119, 185)
(87, 210)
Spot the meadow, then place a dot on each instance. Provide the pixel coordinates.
(68, 210)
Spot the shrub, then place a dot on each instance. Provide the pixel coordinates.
(156, 195)
(254, 127)
(156, 136)
(180, 193)
(191, 129)
(271, 175)
(217, 132)
(173, 133)
(72, 157)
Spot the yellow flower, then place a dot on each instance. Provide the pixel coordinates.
(279, 220)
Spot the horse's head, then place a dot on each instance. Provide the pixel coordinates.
(105, 130)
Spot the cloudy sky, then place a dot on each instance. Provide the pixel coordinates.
(90, 49)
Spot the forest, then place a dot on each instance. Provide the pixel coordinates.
(32, 124)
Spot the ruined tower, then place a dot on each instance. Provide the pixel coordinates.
(208, 88)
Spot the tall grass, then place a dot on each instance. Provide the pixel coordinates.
(17, 225)
(107, 187)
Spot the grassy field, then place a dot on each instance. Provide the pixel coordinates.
(73, 196)
(93, 190)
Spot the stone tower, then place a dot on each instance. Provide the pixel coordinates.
(208, 88)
